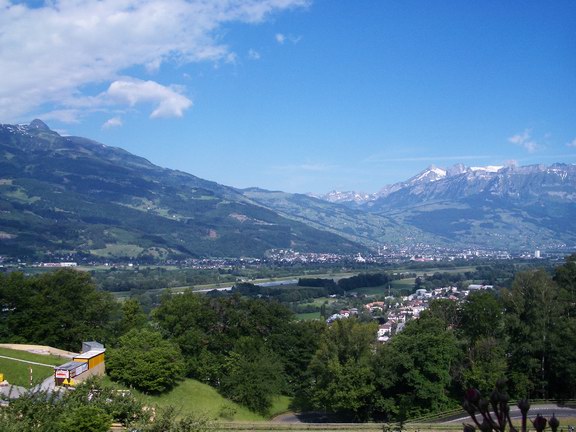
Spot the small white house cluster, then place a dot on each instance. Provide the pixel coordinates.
(413, 305)
(343, 314)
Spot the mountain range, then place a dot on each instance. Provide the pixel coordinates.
(489, 207)
(66, 196)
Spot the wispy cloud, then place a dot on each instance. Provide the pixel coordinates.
(525, 141)
(113, 122)
(571, 143)
(379, 158)
(253, 54)
(53, 53)
(282, 38)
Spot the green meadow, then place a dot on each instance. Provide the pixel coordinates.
(194, 397)
(18, 373)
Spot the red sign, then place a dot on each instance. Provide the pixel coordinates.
(62, 374)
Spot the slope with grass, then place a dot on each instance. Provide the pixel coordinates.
(18, 372)
(194, 397)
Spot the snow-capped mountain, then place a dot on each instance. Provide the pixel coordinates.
(556, 181)
(430, 174)
(343, 197)
(534, 183)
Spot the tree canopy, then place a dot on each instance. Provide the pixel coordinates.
(146, 361)
(61, 309)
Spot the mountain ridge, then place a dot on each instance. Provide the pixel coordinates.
(72, 196)
(433, 174)
(69, 195)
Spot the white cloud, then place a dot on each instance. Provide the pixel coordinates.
(282, 38)
(52, 54)
(64, 115)
(380, 158)
(571, 143)
(168, 101)
(113, 122)
(525, 141)
(253, 54)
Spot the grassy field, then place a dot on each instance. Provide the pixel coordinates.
(403, 284)
(432, 270)
(374, 291)
(308, 316)
(18, 373)
(407, 283)
(194, 397)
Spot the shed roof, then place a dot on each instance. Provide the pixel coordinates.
(69, 366)
(91, 345)
(90, 354)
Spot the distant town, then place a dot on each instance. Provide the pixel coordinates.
(384, 255)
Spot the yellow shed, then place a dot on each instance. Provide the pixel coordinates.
(92, 357)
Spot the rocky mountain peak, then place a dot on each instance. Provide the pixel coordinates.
(39, 124)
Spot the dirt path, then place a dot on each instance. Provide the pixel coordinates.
(40, 349)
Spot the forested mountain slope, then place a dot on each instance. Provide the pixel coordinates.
(69, 195)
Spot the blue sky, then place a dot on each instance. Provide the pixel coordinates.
(298, 95)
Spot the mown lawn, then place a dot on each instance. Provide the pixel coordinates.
(18, 373)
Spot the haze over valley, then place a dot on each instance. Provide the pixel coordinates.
(71, 196)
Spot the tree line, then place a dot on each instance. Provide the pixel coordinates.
(253, 349)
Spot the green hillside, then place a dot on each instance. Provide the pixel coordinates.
(62, 196)
(194, 397)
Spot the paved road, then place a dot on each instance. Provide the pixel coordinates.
(262, 284)
(545, 410)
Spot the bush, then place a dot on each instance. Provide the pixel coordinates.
(85, 418)
(146, 361)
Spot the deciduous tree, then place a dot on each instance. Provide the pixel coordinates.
(146, 361)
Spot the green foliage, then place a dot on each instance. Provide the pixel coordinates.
(415, 370)
(85, 418)
(285, 293)
(66, 194)
(169, 420)
(193, 397)
(439, 280)
(562, 376)
(132, 315)
(33, 412)
(146, 361)
(60, 309)
(485, 364)
(340, 372)
(532, 316)
(447, 311)
(121, 405)
(252, 350)
(482, 317)
(364, 280)
(91, 407)
(253, 375)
